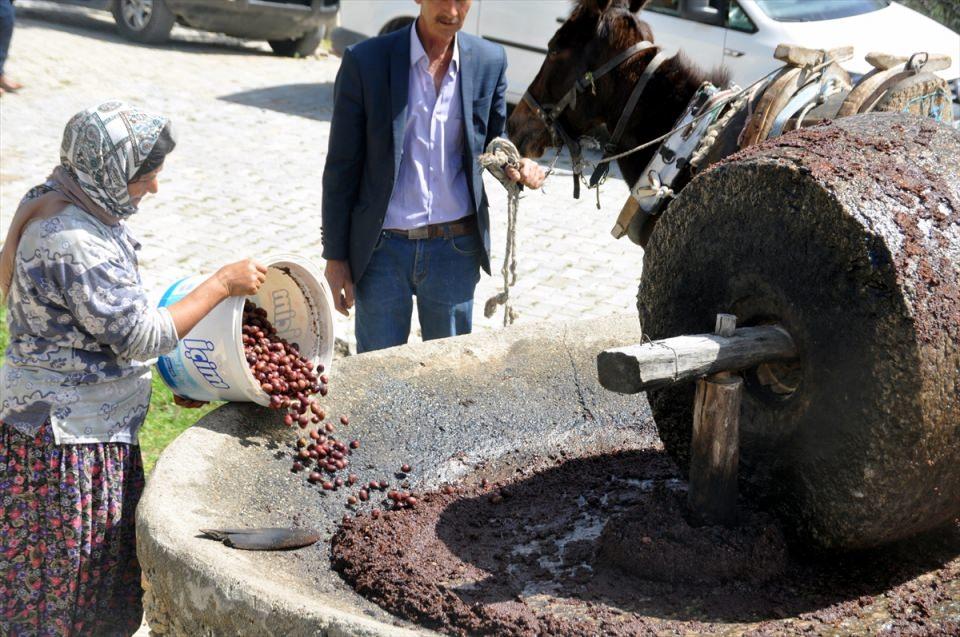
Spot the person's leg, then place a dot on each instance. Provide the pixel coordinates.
(447, 274)
(67, 536)
(6, 33)
(384, 296)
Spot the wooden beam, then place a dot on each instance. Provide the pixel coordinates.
(885, 61)
(715, 450)
(801, 56)
(637, 368)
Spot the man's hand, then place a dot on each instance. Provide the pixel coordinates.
(530, 174)
(340, 281)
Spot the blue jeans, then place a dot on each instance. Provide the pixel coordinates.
(442, 273)
(6, 30)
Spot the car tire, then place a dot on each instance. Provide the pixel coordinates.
(395, 25)
(148, 21)
(298, 47)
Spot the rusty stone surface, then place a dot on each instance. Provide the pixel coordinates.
(849, 234)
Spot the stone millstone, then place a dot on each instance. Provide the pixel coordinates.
(847, 234)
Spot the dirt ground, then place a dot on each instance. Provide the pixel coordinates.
(602, 546)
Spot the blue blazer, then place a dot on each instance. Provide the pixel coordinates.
(366, 138)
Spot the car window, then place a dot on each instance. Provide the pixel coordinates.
(810, 10)
(738, 19)
(669, 7)
(672, 7)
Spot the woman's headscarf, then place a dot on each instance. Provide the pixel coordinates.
(102, 149)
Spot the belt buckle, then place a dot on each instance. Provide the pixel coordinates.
(423, 232)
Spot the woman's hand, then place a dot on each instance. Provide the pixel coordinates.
(242, 278)
(180, 401)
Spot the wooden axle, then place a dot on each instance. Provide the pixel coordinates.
(715, 437)
(636, 368)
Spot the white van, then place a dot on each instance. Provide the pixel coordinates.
(740, 34)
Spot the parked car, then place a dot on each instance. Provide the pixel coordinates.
(740, 34)
(291, 27)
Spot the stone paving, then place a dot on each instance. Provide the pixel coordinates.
(245, 179)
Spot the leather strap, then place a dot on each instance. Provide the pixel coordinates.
(635, 96)
(438, 230)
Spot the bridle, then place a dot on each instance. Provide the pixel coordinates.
(550, 114)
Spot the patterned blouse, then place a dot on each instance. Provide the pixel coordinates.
(82, 333)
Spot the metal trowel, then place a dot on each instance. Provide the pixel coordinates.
(264, 539)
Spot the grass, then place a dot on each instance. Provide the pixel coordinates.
(165, 420)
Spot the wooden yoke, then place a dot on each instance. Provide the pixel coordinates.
(889, 71)
(712, 359)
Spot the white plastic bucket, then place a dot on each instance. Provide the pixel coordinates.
(209, 362)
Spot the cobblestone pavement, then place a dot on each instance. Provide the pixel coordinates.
(245, 178)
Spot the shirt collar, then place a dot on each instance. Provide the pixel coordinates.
(417, 52)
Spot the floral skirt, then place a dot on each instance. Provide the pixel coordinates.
(68, 561)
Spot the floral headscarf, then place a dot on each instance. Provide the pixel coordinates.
(104, 147)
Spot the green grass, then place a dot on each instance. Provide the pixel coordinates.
(165, 420)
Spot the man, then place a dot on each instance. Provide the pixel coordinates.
(404, 211)
(7, 17)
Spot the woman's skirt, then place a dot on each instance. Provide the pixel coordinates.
(68, 561)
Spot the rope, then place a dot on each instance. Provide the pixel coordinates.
(500, 154)
(714, 130)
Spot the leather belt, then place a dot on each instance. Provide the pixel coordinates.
(438, 230)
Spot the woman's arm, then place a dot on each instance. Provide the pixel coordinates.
(242, 278)
(101, 289)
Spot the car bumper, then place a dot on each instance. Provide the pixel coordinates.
(255, 19)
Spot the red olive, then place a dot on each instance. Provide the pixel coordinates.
(406, 468)
(354, 444)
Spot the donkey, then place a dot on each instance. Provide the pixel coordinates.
(597, 32)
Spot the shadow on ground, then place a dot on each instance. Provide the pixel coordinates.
(553, 523)
(312, 100)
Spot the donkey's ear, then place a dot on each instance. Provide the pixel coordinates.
(636, 5)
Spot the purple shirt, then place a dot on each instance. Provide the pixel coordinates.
(431, 185)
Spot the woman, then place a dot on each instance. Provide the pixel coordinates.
(75, 386)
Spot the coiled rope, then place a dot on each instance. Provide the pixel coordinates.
(500, 154)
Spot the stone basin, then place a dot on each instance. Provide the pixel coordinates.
(522, 408)
(521, 397)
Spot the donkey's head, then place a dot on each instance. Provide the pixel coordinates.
(595, 32)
